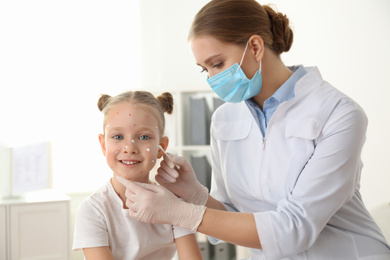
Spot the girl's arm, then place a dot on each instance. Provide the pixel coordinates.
(187, 248)
(98, 253)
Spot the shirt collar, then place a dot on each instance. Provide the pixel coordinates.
(286, 91)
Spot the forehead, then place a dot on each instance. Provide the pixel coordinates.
(125, 112)
(205, 46)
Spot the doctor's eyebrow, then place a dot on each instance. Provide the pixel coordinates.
(209, 59)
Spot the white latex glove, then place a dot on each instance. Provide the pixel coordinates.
(183, 181)
(155, 204)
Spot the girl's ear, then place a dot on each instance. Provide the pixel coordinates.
(164, 144)
(257, 46)
(102, 144)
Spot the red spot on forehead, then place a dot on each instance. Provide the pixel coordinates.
(117, 113)
(129, 114)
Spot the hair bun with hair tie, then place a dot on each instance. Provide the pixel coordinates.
(166, 101)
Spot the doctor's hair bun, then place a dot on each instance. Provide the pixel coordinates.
(102, 102)
(166, 102)
(236, 21)
(280, 27)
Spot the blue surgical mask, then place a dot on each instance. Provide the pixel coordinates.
(233, 86)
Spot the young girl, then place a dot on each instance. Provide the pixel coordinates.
(133, 129)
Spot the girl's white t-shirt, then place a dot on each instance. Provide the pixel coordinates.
(102, 221)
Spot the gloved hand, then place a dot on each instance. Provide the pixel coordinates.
(182, 182)
(155, 204)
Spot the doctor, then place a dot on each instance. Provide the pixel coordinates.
(286, 149)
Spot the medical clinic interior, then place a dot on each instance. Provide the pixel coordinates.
(58, 57)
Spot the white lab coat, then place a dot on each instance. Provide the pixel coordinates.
(301, 180)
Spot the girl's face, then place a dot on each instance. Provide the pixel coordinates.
(214, 56)
(131, 140)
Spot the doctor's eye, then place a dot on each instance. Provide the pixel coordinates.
(203, 70)
(218, 65)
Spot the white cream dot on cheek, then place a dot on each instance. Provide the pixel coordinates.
(132, 140)
(152, 161)
(127, 147)
(148, 149)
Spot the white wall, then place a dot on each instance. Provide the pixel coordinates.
(56, 57)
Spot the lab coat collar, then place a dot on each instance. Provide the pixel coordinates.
(308, 82)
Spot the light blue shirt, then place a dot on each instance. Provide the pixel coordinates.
(283, 94)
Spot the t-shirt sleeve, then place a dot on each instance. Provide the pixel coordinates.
(181, 232)
(90, 227)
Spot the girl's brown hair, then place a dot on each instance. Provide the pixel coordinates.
(157, 105)
(235, 21)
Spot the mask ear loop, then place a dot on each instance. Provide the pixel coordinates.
(243, 55)
(260, 68)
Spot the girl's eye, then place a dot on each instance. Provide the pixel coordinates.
(144, 137)
(118, 137)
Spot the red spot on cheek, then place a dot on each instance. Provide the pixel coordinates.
(117, 113)
(134, 124)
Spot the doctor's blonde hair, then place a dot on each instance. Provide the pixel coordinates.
(235, 21)
(157, 105)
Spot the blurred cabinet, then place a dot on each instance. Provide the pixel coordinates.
(3, 232)
(188, 128)
(35, 227)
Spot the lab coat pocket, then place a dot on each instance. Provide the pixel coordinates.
(233, 130)
(308, 129)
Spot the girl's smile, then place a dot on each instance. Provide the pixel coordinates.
(130, 142)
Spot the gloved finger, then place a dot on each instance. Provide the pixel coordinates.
(131, 186)
(133, 206)
(148, 187)
(168, 160)
(171, 171)
(167, 173)
(162, 178)
(129, 204)
(181, 161)
(131, 196)
(133, 211)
